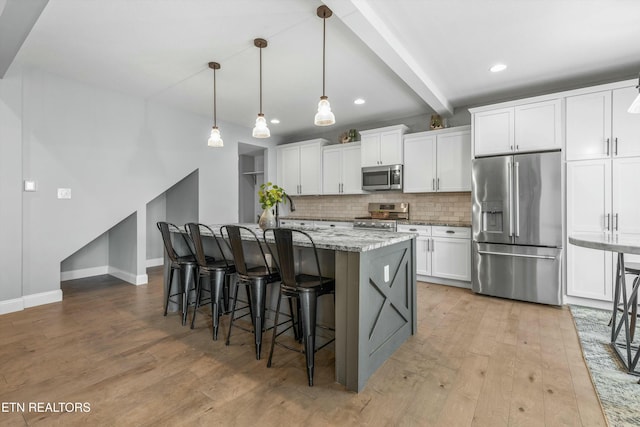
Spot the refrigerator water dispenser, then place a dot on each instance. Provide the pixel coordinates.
(492, 217)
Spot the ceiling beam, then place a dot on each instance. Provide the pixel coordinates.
(362, 19)
(16, 21)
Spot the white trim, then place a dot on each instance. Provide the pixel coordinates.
(83, 272)
(587, 302)
(42, 298)
(443, 281)
(11, 305)
(154, 262)
(140, 279)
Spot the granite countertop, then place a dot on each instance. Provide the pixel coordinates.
(436, 223)
(348, 240)
(401, 221)
(306, 218)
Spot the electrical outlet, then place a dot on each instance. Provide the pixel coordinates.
(64, 193)
(29, 185)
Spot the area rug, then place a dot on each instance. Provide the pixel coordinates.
(619, 392)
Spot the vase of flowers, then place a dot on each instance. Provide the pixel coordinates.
(269, 196)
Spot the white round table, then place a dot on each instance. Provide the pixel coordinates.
(621, 244)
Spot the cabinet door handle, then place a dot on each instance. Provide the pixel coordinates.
(428, 245)
(608, 146)
(615, 150)
(517, 148)
(433, 245)
(438, 184)
(616, 222)
(450, 232)
(413, 229)
(433, 184)
(608, 221)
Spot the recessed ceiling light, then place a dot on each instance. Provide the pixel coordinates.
(359, 101)
(275, 121)
(497, 68)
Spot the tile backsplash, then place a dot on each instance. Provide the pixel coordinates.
(422, 206)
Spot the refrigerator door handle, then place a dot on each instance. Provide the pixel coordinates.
(516, 197)
(509, 201)
(516, 255)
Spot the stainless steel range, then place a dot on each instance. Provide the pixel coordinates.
(383, 216)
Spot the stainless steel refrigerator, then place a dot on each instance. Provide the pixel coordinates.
(517, 227)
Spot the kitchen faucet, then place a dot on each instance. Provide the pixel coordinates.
(293, 208)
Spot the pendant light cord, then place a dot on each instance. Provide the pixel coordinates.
(260, 80)
(215, 123)
(324, 38)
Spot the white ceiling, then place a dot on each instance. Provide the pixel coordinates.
(405, 57)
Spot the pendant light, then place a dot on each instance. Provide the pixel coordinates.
(261, 130)
(215, 140)
(635, 105)
(324, 116)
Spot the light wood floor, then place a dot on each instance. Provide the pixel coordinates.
(476, 361)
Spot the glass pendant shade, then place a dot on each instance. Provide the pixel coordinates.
(261, 130)
(635, 106)
(324, 116)
(215, 140)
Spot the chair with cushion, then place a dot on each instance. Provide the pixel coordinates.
(217, 271)
(304, 288)
(182, 259)
(254, 277)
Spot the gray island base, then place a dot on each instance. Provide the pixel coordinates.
(375, 299)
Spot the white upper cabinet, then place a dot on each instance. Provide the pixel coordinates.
(599, 126)
(589, 126)
(538, 126)
(341, 172)
(300, 167)
(438, 161)
(382, 146)
(532, 126)
(420, 163)
(493, 131)
(454, 161)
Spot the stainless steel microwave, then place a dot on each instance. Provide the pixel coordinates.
(377, 178)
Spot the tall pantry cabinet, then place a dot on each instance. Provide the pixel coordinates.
(603, 181)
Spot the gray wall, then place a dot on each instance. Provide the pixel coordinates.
(156, 211)
(182, 201)
(94, 254)
(123, 245)
(10, 188)
(116, 152)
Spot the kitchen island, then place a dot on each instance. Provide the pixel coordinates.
(375, 298)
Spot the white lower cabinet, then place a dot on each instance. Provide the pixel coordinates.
(443, 252)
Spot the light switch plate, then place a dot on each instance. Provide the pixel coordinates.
(64, 193)
(30, 185)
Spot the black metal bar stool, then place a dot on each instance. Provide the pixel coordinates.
(631, 268)
(254, 278)
(185, 263)
(217, 271)
(305, 289)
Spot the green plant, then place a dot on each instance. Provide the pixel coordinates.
(270, 195)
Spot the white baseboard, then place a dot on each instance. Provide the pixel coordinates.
(588, 302)
(42, 298)
(140, 279)
(154, 262)
(84, 272)
(11, 305)
(442, 281)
